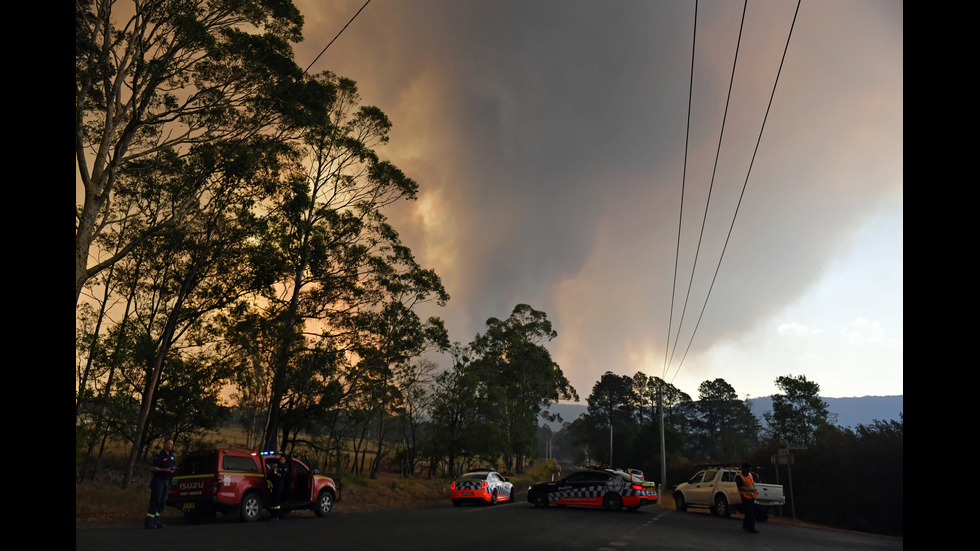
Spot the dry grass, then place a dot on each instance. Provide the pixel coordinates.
(104, 502)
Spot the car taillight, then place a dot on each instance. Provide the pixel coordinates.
(452, 486)
(484, 484)
(637, 487)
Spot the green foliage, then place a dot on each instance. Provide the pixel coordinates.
(517, 377)
(799, 413)
(721, 427)
(156, 81)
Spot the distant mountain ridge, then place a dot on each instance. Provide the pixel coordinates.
(850, 412)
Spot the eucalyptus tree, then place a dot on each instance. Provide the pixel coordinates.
(518, 376)
(651, 391)
(391, 336)
(195, 270)
(613, 409)
(416, 381)
(156, 78)
(724, 428)
(342, 277)
(614, 400)
(461, 427)
(798, 413)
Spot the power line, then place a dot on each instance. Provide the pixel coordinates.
(680, 218)
(672, 349)
(741, 195)
(336, 37)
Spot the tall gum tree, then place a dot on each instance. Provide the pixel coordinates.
(157, 77)
(194, 271)
(798, 412)
(342, 270)
(519, 377)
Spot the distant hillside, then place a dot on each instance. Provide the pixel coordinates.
(850, 412)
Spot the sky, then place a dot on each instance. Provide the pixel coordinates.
(561, 146)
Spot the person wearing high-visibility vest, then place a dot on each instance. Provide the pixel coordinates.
(748, 492)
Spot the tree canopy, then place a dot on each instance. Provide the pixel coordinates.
(518, 377)
(798, 412)
(163, 84)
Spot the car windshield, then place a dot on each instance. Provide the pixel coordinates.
(474, 476)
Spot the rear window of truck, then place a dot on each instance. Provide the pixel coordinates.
(239, 463)
(198, 464)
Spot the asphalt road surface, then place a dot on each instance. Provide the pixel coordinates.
(507, 527)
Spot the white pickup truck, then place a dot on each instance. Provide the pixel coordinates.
(715, 488)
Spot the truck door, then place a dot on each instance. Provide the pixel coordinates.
(302, 482)
(702, 492)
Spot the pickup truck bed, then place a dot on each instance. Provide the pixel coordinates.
(715, 489)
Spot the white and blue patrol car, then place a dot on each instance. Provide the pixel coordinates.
(481, 487)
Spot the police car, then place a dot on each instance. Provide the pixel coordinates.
(481, 487)
(607, 488)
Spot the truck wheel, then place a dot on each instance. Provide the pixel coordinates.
(251, 507)
(612, 502)
(761, 514)
(721, 507)
(324, 503)
(679, 502)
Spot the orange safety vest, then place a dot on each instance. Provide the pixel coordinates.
(748, 491)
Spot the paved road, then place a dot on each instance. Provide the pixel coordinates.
(510, 527)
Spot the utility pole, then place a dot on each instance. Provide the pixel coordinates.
(663, 451)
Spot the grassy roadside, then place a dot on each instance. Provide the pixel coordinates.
(102, 502)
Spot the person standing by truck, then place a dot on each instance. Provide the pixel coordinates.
(746, 490)
(278, 476)
(163, 468)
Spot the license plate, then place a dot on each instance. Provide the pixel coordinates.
(467, 493)
(189, 505)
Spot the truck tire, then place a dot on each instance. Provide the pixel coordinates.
(679, 502)
(721, 507)
(324, 503)
(761, 514)
(251, 507)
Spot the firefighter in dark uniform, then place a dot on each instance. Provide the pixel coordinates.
(279, 476)
(163, 468)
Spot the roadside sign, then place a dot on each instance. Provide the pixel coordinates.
(781, 459)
